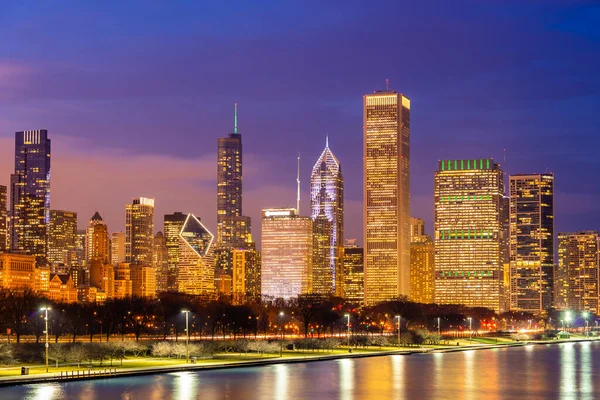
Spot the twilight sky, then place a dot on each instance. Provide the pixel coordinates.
(135, 94)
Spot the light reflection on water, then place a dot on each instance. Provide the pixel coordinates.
(563, 371)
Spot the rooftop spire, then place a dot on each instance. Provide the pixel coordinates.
(326, 141)
(298, 181)
(235, 130)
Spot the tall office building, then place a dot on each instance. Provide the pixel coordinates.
(30, 194)
(143, 281)
(422, 271)
(89, 234)
(469, 259)
(287, 252)
(159, 262)
(117, 248)
(232, 226)
(100, 249)
(246, 275)
(139, 231)
(327, 213)
(577, 276)
(172, 227)
(79, 253)
(62, 237)
(195, 270)
(386, 155)
(531, 242)
(354, 274)
(3, 220)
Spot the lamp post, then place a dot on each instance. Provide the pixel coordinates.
(46, 309)
(187, 336)
(568, 319)
(399, 320)
(585, 315)
(563, 324)
(348, 316)
(281, 328)
(470, 330)
(439, 328)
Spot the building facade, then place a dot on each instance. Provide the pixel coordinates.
(18, 272)
(354, 275)
(4, 242)
(327, 213)
(287, 251)
(531, 242)
(89, 235)
(159, 262)
(139, 231)
(117, 248)
(246, 275)
(30, 194)
(195, 271)
(422, 270)
(469, 259)
(386, 116)
(62, 238)
(143, 281)
(173, 223)
(577, 274)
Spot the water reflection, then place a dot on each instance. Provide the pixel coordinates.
(346, 369)
(185, 385)
(585, 371)
(568, 371)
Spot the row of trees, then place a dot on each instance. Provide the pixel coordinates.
(162, 318)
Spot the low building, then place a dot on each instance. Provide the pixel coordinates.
(18, 271)
(62, 289)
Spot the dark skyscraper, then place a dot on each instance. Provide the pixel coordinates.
(30, 194)
(3, 220)
(233, 228)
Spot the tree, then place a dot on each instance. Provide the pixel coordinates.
(77, 353)
(308, 306)
(16, 307)
(56, 352)
(58, 321)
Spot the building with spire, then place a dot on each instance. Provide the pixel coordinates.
(30, 194)
(89, 234)
(233, 227)
(386, 158)
(327, 213)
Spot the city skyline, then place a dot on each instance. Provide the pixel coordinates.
(72, 100)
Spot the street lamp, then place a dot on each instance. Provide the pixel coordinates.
(399, 320)
(563, 324)
(46, 309)
(439, 329)
(348, 316)
(281, 328)
(470, 330)
(585, 315)
(187, 336)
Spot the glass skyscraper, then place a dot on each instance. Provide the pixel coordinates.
(62, 237)
(195, 271)
(469, 229)
(531, 242)
(386, 214)
(30, 194)
(327, 213)
(172, 227)
(139, 231)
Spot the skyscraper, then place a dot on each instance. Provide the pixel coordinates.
(62, 237)
(246, 275)
(531, 242)
(172, 227)
(139, 231)
(287, 251)
(354, 276)
(386, 195)
(422, 271)
(3, 220)
(577, 276)
(89, 233)
(327, 213)
(195, 271)
(30, 194)
(469, 259)
(100, 249)
(159, 262)
(117, 248)
(232, 226)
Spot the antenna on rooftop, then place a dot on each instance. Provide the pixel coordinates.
(298, 181)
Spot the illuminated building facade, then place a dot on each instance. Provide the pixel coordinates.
(232, 226)
(139, 231)
(100, 249)
(531, 242)
(89, 234)
(117, 248)
(327, 213)
(354, 276)
(3, 220)
(61, 288)
(287, 252)
(386, 187)
(172, 227)
(62, 237)
(223, 270)
(577, 275)
(143, 281)
(18, 271)
(422, 271)
(246, 275)
(469, 259)
(159, 262)
(30, 194)
(123, 286)
(195, 271)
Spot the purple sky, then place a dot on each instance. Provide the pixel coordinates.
(135, 95)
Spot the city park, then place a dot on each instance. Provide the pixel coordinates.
(57, 340)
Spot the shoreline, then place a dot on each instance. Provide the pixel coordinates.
(52, 378)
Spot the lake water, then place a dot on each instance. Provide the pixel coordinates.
(565, 371)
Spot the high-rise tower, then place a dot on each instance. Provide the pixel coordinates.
(469, 259)
(173, 225)
(30, 194)
(232, 226)
(531, 242)
(62, 237)
(89, 234)
(139, 231)
(195, 272)
(3, 220)
(327, 213)
(386, 157)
